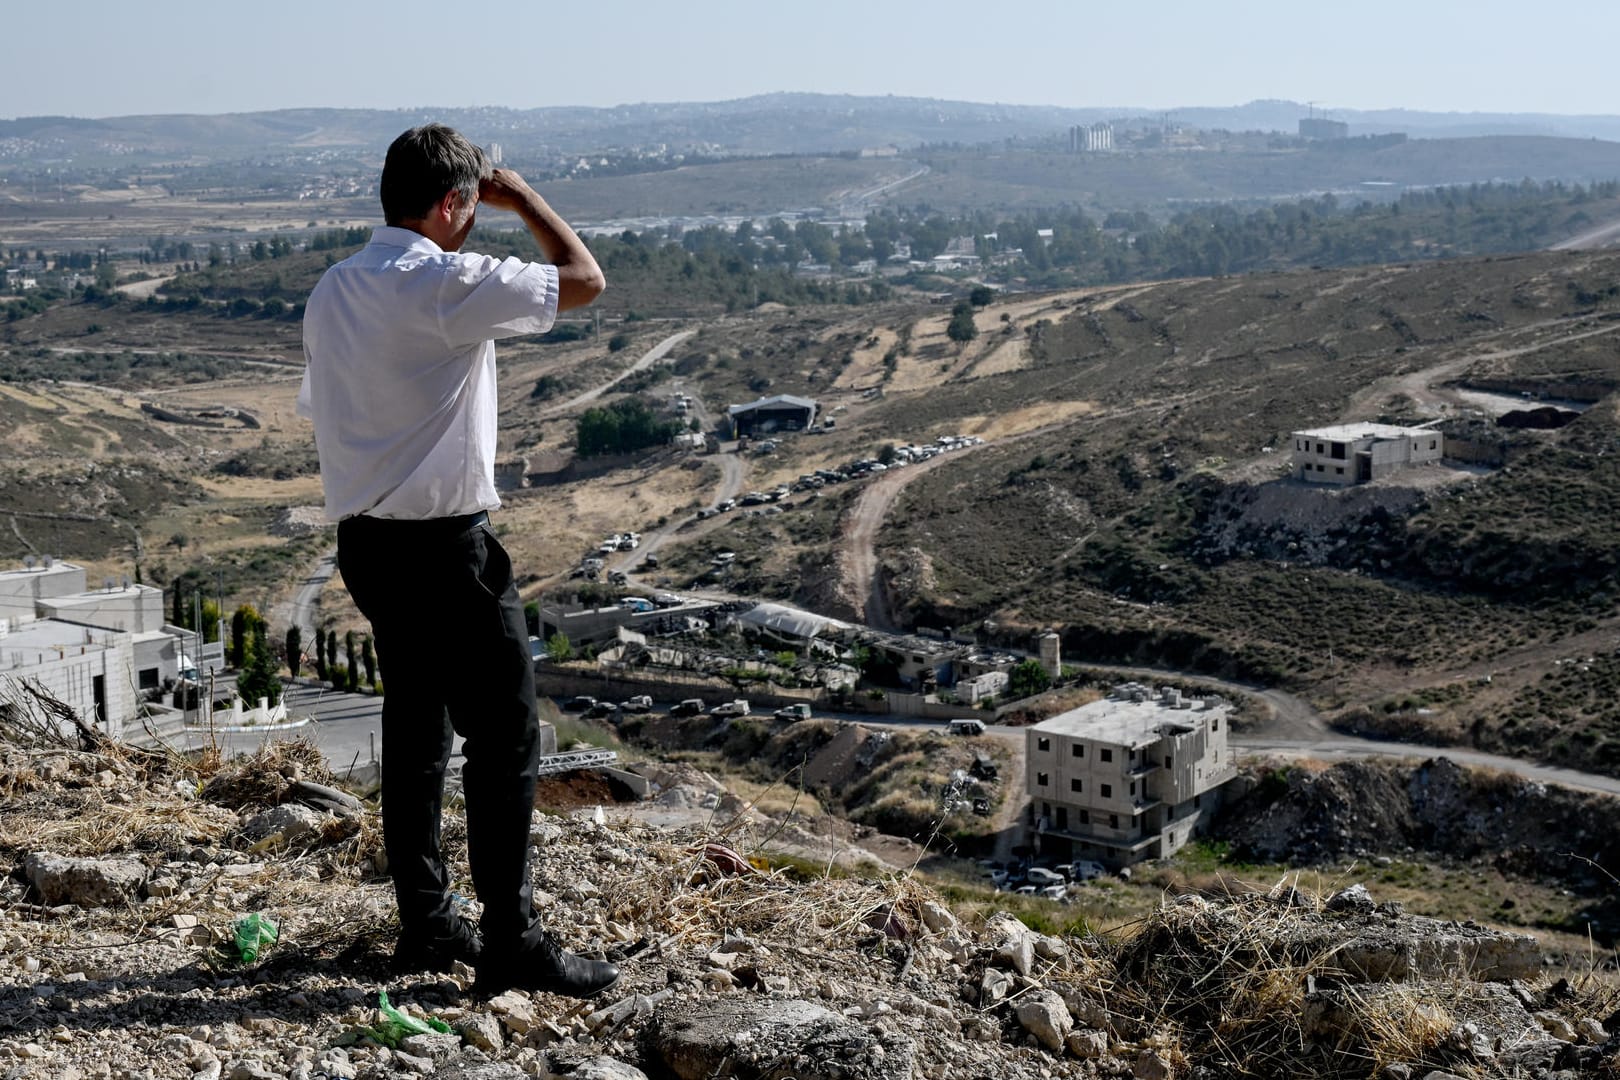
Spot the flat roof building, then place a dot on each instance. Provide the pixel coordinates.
(99, 651)
(1356, 453)
(1131, 777)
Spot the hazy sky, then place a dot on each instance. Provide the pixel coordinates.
(105, 58)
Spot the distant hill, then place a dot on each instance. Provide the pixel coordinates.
(765, 124)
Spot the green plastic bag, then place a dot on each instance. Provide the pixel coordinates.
(253, 933)
(396, 1026)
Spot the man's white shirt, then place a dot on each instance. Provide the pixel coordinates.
(400, 373)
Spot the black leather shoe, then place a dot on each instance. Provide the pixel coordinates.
(542, 965)
(427, 950)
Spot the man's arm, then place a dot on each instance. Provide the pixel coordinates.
(579, 279)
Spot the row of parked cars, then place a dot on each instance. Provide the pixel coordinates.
(641, 704)
(1049, 881)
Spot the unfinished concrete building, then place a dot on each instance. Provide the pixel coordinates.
(1356, 453)
(1131, 777)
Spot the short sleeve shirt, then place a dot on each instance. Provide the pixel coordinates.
(400, 373)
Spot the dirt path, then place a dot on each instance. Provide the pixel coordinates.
(1421, 386)
(1600, 236)
(733, 472)
(651, 357)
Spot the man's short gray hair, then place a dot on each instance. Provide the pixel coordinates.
(423, 165)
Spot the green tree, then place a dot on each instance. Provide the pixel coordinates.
(210, 620)
(242, 621)
(352, 653)
(295, 648)
(961, 327)
(368, 658)
(981, 296)
(559, 648)
(1027, 680)
(260, 677)
(331, 649)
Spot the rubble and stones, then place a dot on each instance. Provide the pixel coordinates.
(730, 969)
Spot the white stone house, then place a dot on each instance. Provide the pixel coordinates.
(1131, 777)
(97, 650)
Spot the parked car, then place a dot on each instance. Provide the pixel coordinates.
(641, 703)
(600, 709)
(1040, 875)
(1055, 892)
(689, 707)
(636, 604)
(724, 557)
(664, 599)
(650, 562)
(966, 727)
(1086, 869)
(730, 708)
(617, 577)
(799, 711)
(579, 704)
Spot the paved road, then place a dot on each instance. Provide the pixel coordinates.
(348, 730)
(301, 610)
(1341, 747)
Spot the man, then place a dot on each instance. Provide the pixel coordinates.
(400, 383)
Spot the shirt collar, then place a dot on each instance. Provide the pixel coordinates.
(401, 237)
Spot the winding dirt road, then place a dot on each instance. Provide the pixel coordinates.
(648, 359)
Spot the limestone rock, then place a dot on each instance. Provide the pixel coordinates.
(1355, 898)
(602, 1068)
(437, 1045)
(1044, 1016)
(1150, 1065)
(994, 987)
(1011, 942)
(771, 1039)
(1087, 1044)
(481, 1030)
(282, 824)
(936, 917)
(59, 879)
(490, 1070)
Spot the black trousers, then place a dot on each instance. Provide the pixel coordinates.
(453, 647)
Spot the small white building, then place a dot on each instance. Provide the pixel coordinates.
(99, 651)
(1131, 777)
(1357, 453)
(975, 688)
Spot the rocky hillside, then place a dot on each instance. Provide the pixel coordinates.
(128, 871)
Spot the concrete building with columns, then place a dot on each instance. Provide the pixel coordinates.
(1131, 777)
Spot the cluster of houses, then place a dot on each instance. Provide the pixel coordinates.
(106, 652)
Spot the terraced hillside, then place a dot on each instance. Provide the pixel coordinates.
(1167, 419)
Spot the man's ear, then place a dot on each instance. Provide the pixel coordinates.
(445, 208)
